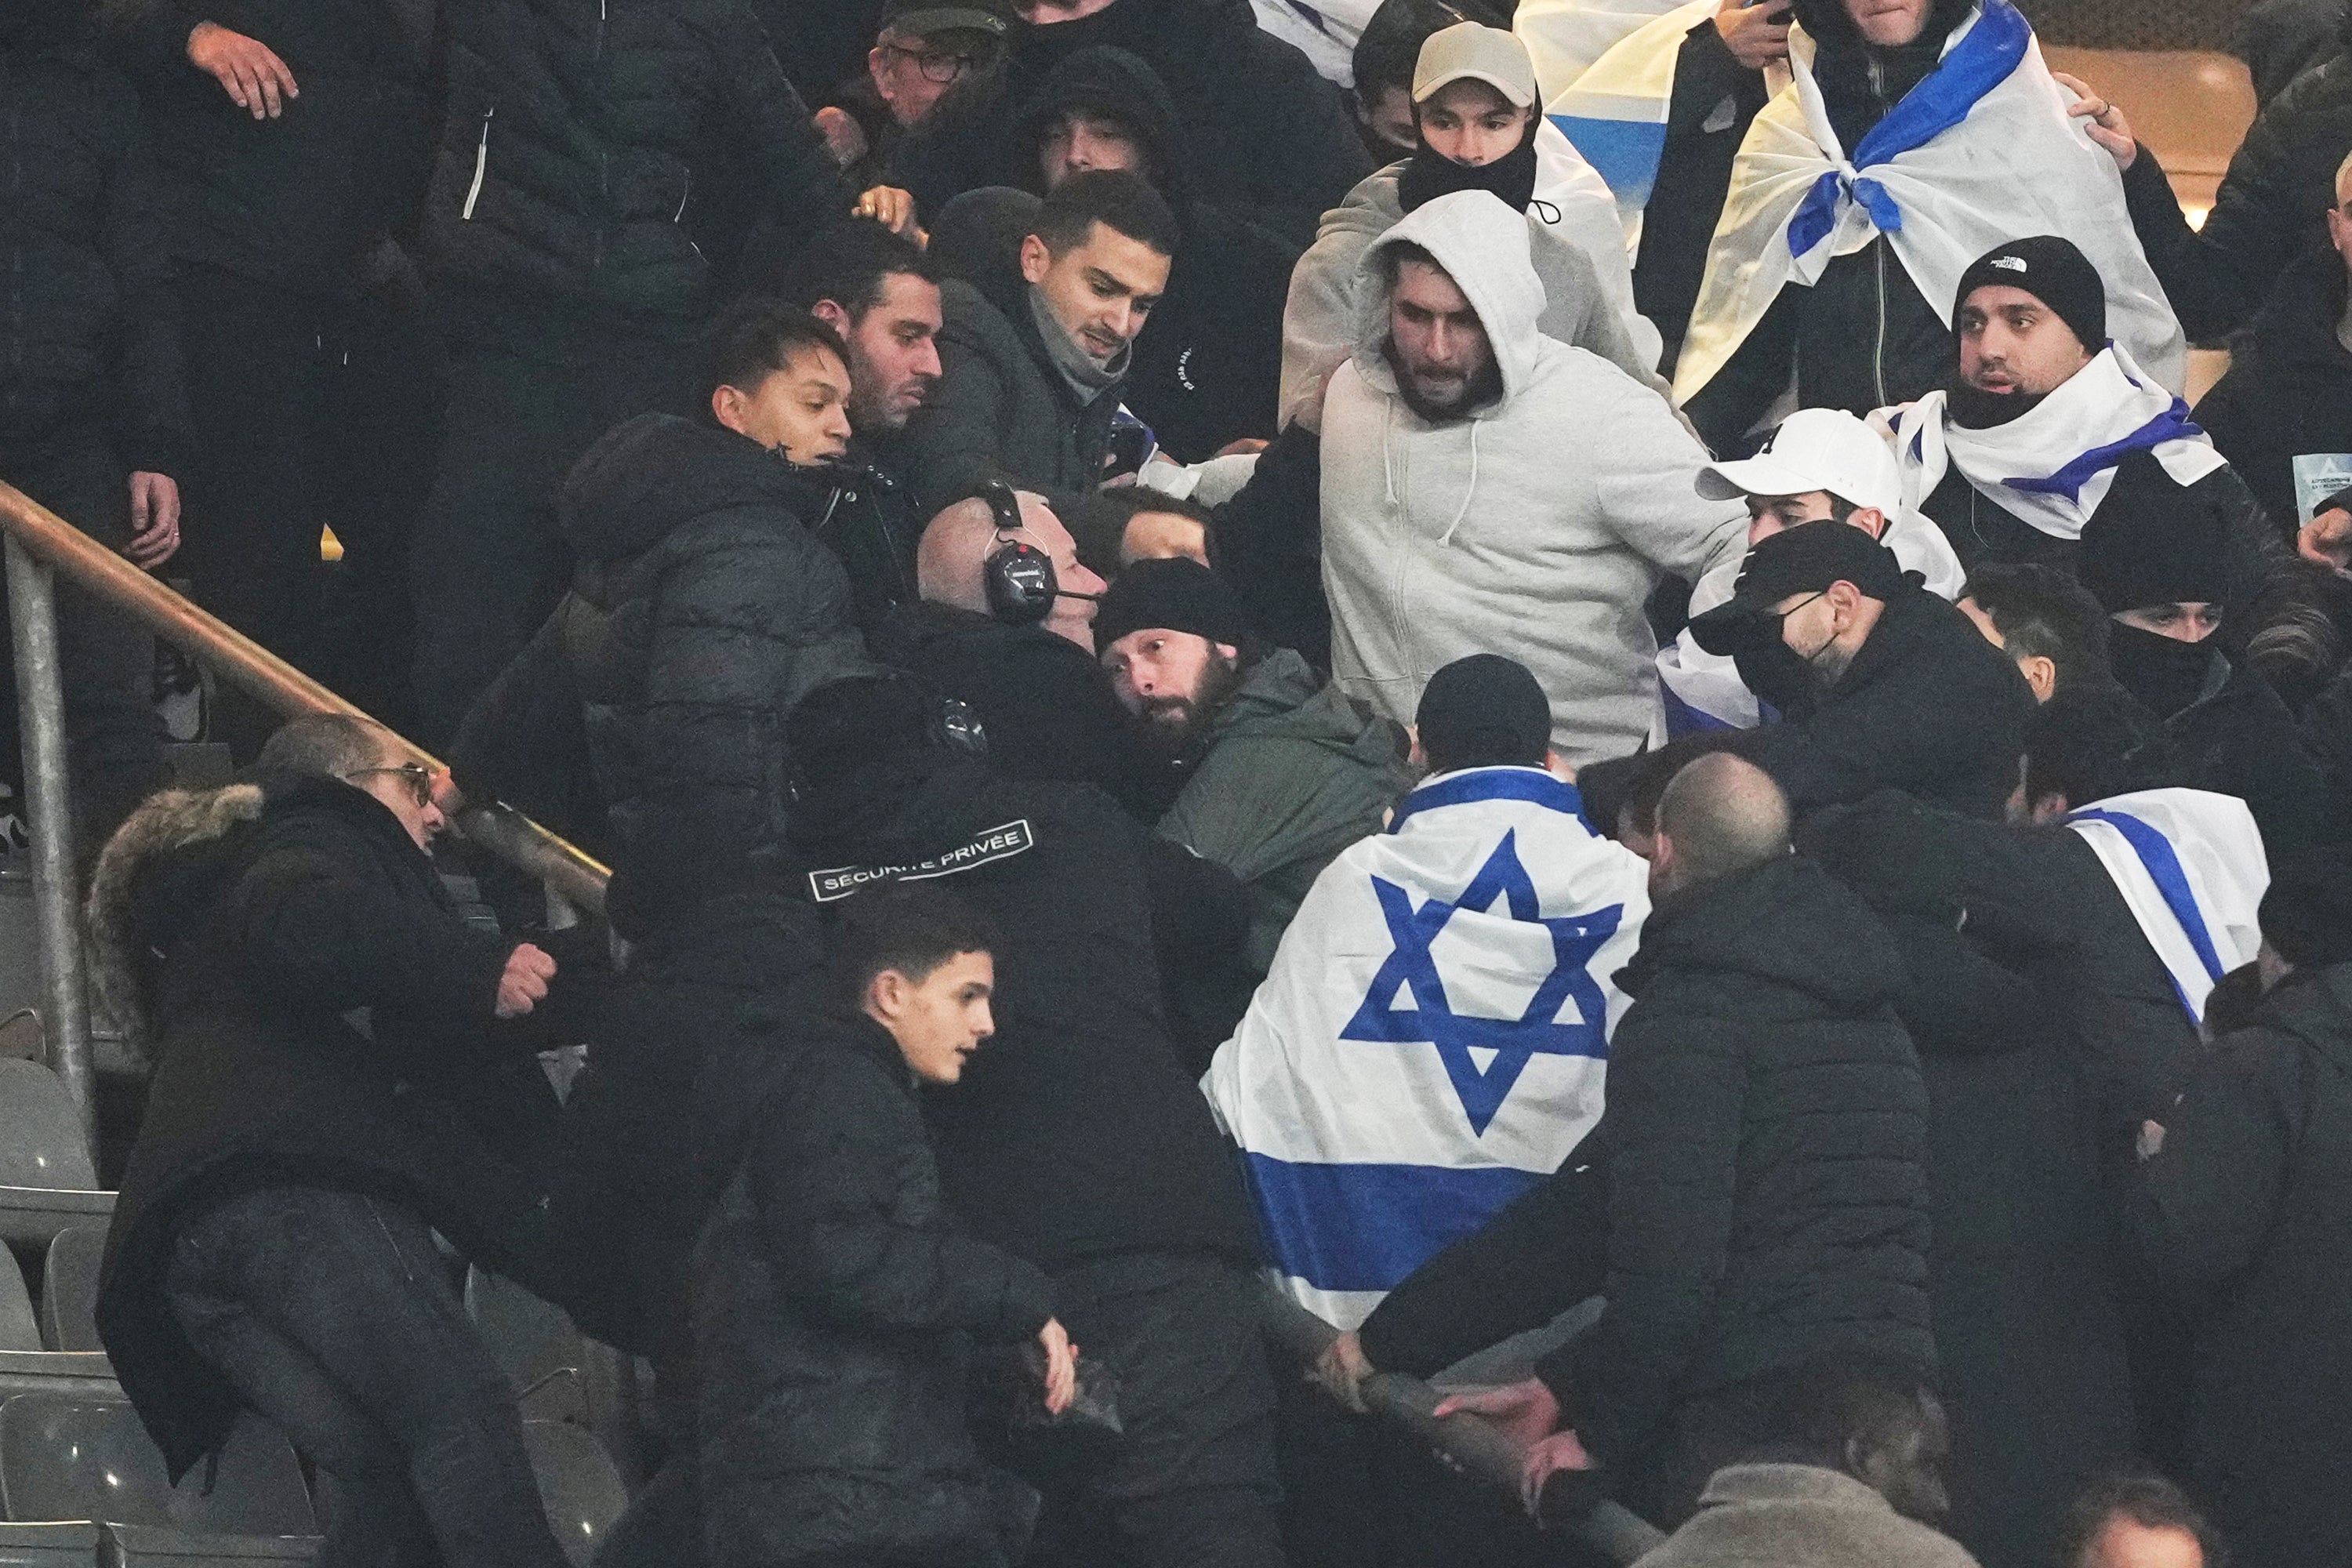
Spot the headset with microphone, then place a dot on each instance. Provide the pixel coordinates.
(1019, 578)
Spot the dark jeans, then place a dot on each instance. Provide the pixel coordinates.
(333, 1316)
(313, 413)
(1193, 1485)
(108, 661)
(487, 562)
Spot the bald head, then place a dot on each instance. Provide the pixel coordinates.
(1721, 814)
(950, 560)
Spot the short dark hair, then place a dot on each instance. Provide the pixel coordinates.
(850, 264)
(2043, 613)
(324, 745)
(911, 927)
(1398, 252)
(1390, 46)
(2089, 743)
(1119, 198)
(2131, 1489)
(756, 337)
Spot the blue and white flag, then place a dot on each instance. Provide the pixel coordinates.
(2190, 864)
(1615, 111)
(1979, 154)
(1324, 31)
(1568, 38)
(1433, 1037)
(2052, 465)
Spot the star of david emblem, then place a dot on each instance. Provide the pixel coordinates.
(1512, 1042)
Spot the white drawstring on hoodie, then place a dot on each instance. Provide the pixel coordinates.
(1388, 471)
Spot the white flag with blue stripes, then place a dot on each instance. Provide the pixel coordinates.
(1615, 111)
(1433, 1037)
(2190, 864)
(1568, 38)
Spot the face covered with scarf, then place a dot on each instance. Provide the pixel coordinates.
(1472, 139)
(2163, 569)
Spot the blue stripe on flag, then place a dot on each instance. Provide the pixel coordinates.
(1365, 1228)
(2155, 853)
(1625, 153)
(1683, 718)
(1495, 784)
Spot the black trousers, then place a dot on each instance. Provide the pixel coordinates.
(487, 563)
(313, 414)
(1193, 1485)
(107, 660)
(333, 1315)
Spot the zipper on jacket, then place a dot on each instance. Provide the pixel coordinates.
(602, 6)
(683, 197)
(1878, 358)
(481, 167)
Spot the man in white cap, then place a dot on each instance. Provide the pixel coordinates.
(1480, 129)
(1820, 463)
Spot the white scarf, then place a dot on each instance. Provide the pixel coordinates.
(2064, 450)
(2189, 863)
(2014, 163)
(1431, 1039)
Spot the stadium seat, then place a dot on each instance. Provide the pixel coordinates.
(78, 1374)
(69, 1290)
(153, 1546)
(68, 1457)
(577, 1481)
(534, 1341)
(48, 1545)
(20, 1036)
(18, 1332)
(46, 1180)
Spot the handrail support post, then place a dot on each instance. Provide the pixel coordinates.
(48, 799)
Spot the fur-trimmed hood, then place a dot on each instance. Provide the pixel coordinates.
(160, 872)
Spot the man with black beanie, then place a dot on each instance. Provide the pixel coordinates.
(2044, 422)
(2170, 578)
(1283, 771)
(1879, 684)
(1074, 1141)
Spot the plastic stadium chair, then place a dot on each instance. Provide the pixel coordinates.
(70, 1289)
(48, 1545)
(155, 1546)
(578, 1483)
(18, 1332)
(46, 1180)
(534, 1343)
(66, 1458)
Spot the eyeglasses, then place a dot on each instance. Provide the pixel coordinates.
(418, 778)
(937, 67)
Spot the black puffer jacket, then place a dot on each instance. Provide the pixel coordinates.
(833, 1306)
(319, 1014)
(700, 612)
(89, 322)
(2244, 1210)
(2279, 39)
(2272, 206)
(1208, 360)
(575, 136)
(1271, 142)
(1765, 1142)
(1074, 1135)
(292, 200)
(2021, 1272)
(1863, 337)
(2289, 389)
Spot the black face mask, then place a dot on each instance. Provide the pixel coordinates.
(1782, 678)
(1511, 179)
(1972, 408)
(2163, 672)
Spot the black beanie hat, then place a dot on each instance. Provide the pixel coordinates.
(2306, 915)
(2055, 272)
(2156, 544)
(1176, 595)
(1483, 712)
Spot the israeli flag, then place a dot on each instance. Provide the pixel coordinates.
(1568, 38)
(1615, 111)
(1433, 1037)
(2189, 863)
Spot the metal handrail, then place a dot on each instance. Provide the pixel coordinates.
(39, 543)
(1476, 1445)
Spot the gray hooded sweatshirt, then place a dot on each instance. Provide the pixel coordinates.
(1534, 528)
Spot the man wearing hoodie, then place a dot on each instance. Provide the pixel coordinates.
(1489, 488)
(1038, 339)
(1480, 129)
(1283, 772)
(1268, 139)
(1205, 365)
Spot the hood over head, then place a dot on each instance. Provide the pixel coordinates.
(1483, 246)
(1788, 922)
(1117, 82)
(655, 472)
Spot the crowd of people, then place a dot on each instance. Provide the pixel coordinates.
(1567, 681)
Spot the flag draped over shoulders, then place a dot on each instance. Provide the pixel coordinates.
(2189, 863)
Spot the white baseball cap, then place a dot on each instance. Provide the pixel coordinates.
(1814, 449)
(1476, 52)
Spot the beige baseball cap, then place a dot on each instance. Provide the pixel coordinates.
(1480, 53)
